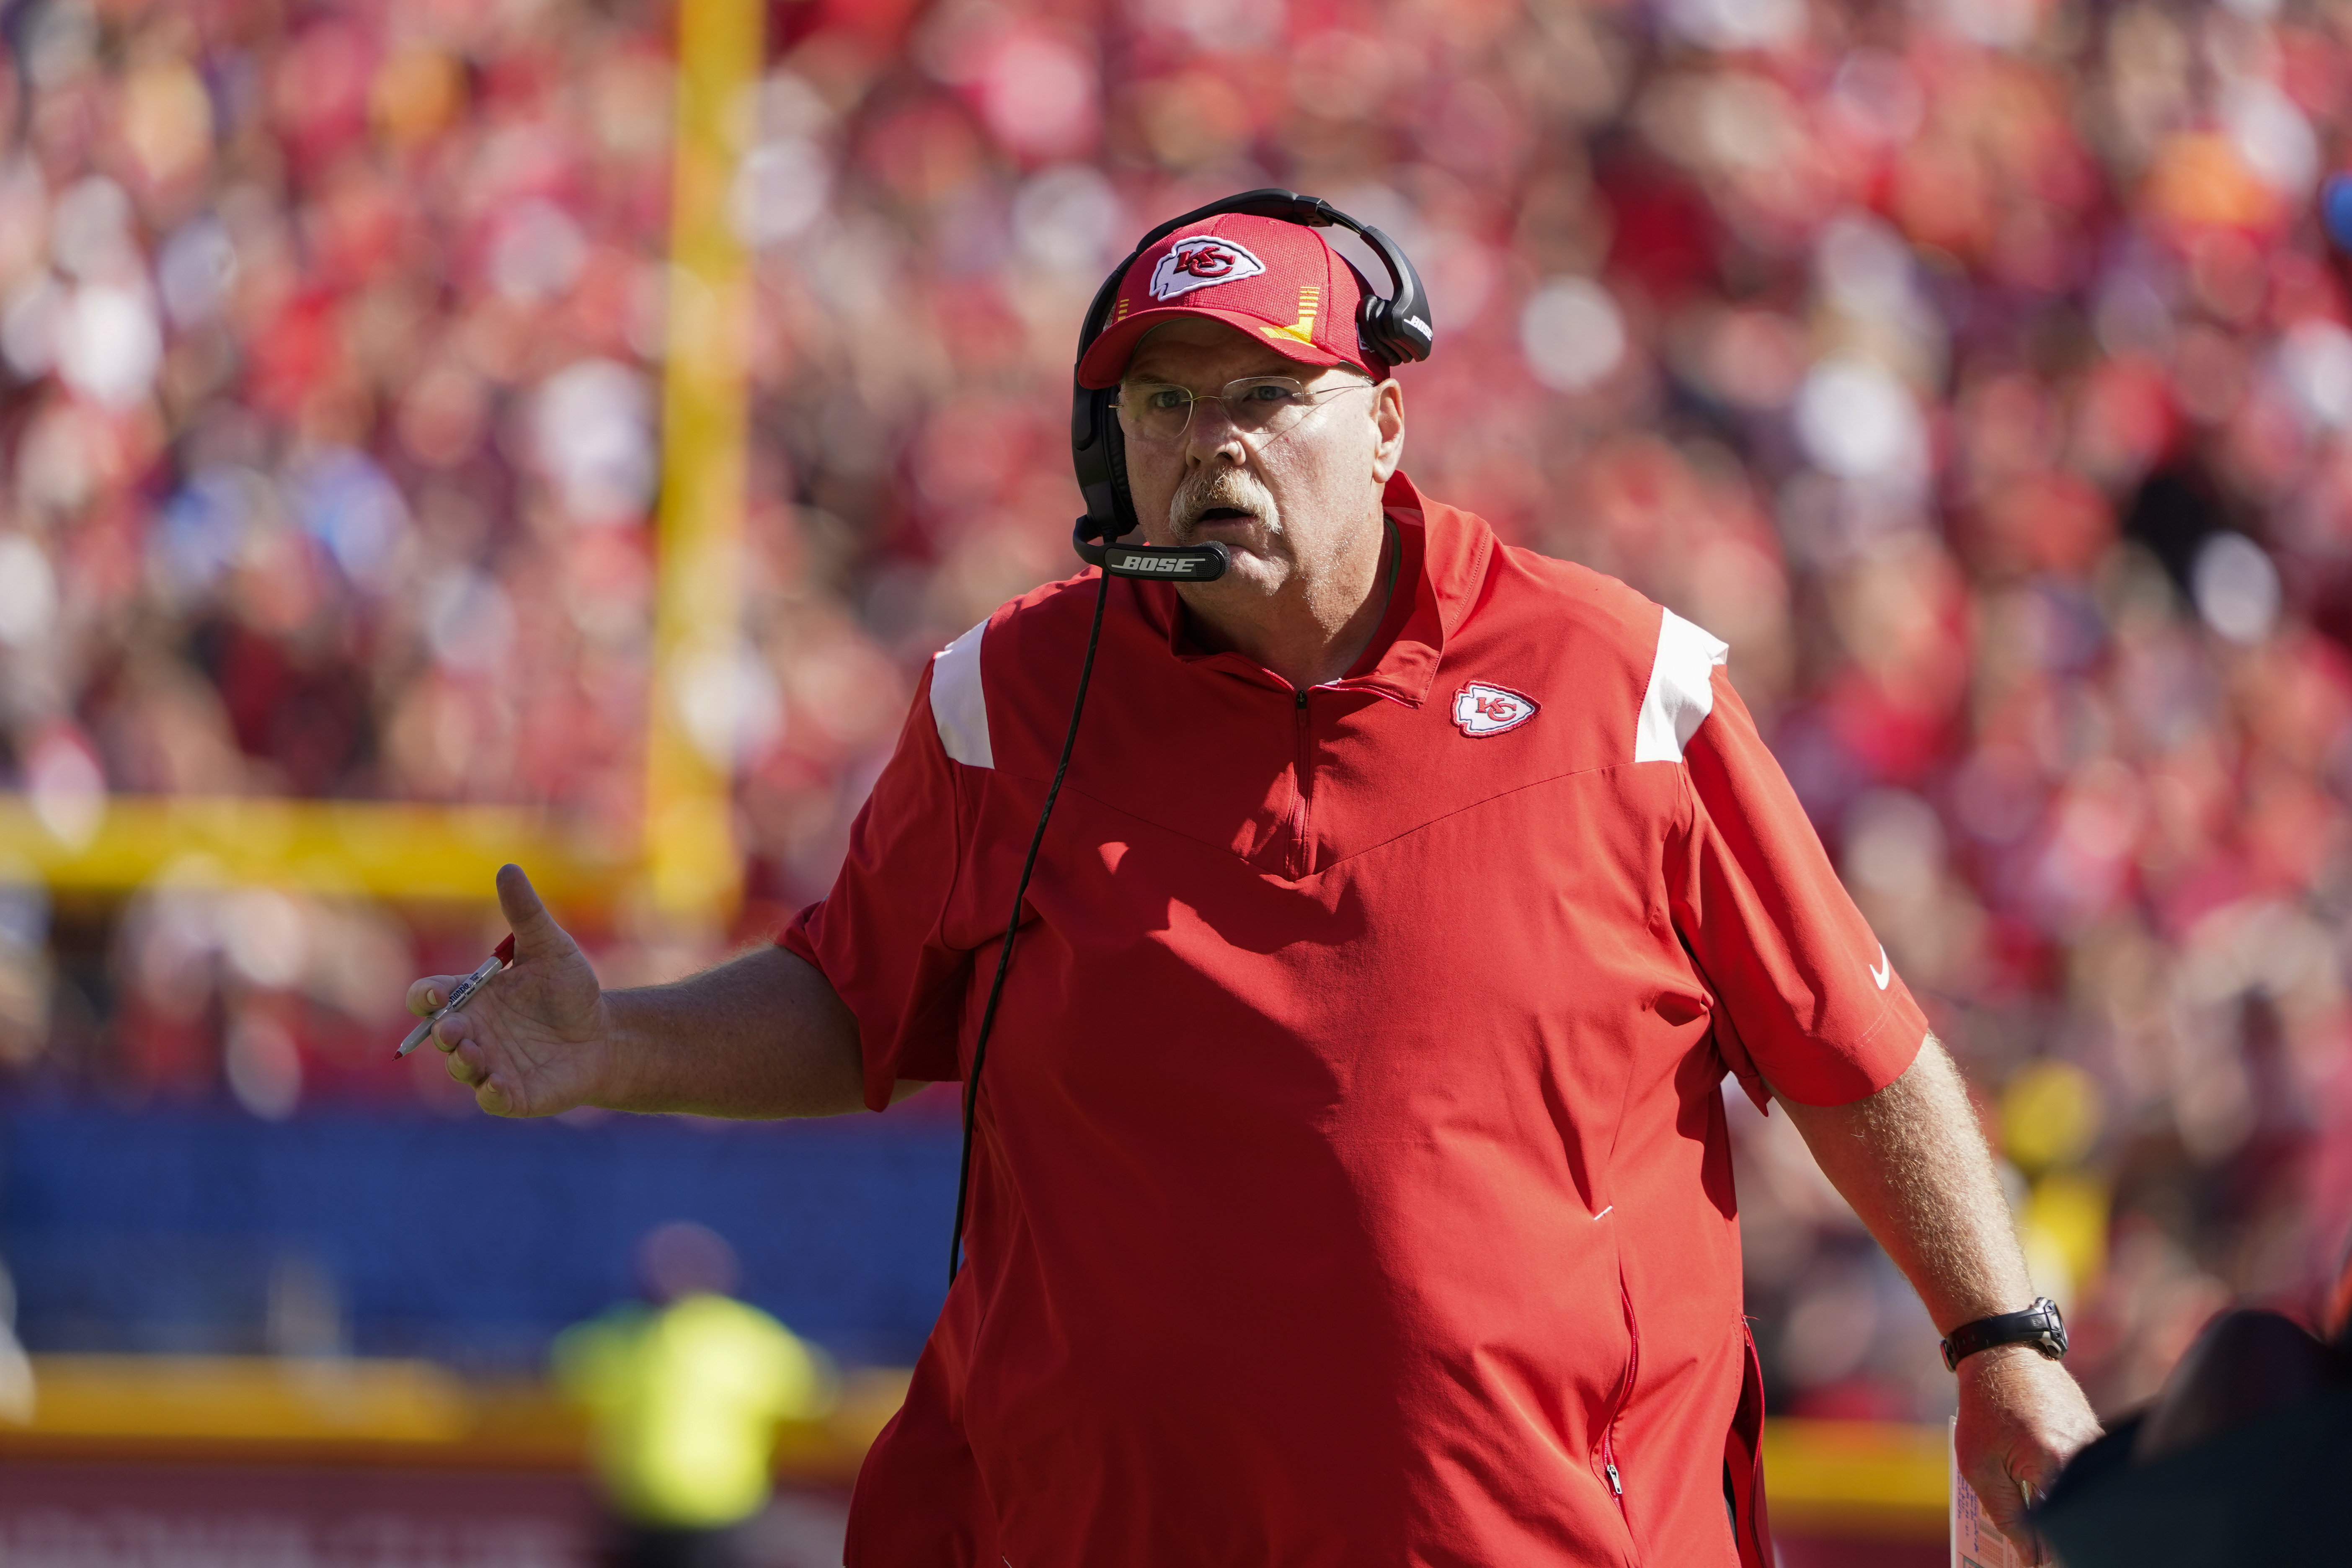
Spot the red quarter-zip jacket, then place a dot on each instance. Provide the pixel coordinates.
(1351, 1184)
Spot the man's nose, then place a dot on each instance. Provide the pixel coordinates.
(1211, 434)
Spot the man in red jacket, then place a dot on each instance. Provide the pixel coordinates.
(1350, 1183)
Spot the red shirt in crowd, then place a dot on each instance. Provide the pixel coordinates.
(1352, 1183)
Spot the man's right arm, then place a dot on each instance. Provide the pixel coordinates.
(761, 1035)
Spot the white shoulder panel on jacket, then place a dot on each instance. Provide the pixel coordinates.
(1681, 694)
(959, 705)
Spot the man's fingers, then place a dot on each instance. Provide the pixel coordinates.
(465, 1064)
(527, 917)
(490, 1095)
(428, 993)
(452, 1031)
(2004, 1502)
(2040, 1474)
(1998, 1491)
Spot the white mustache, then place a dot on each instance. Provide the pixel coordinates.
(1213, 488)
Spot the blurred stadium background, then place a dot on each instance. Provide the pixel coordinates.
(449, 431)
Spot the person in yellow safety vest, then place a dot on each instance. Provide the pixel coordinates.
(683, 1397)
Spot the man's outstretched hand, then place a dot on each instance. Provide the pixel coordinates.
(537, 1040)
(2022, 1418)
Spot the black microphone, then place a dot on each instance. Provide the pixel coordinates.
(1186, 563)
(1189, 563)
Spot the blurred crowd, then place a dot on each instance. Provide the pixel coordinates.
(1978, 369)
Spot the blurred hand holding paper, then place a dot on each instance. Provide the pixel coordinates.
(1977, 1541)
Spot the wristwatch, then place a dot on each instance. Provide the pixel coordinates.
(2038, 1326)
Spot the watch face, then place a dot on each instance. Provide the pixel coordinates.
(2054, 1342)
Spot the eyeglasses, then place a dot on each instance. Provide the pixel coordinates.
(1257, 406)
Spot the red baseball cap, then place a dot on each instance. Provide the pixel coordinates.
(1277, 282)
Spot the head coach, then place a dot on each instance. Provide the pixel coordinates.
(1348, 1180)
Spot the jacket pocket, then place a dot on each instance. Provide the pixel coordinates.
(1605, 1456)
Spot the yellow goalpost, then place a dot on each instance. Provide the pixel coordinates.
(686, 863)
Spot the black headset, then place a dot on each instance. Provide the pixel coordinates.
(1390, 330)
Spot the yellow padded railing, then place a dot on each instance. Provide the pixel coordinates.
(389, 849)
(1880, 1480)
(260, 1409)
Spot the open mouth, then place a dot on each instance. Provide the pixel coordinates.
(1223, 515)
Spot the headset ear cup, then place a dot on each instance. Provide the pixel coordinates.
(1101, 470)
(1396, 328)
(1385, 339)
(1385, 334)
(1124, 521)
(1374, 333)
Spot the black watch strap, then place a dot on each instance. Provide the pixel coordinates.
(2038, 1326)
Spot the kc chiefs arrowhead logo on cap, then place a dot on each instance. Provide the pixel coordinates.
(1480, 709)
(1198, 260)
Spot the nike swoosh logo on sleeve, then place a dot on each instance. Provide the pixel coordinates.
(1881, 971)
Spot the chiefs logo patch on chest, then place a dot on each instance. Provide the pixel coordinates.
(1482, 710)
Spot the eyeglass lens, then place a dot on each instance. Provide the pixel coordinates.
(1156, 412)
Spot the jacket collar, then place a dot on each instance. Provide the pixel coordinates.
(1445, 552)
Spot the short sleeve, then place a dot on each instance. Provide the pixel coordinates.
(878, 935)
(1809, 999)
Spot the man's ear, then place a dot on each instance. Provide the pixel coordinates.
(1388, 422)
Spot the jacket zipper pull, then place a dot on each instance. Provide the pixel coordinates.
(1302, 700)
(1616, 1485)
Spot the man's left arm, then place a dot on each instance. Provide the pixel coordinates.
(1811, 1006)
(1911, 1161)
